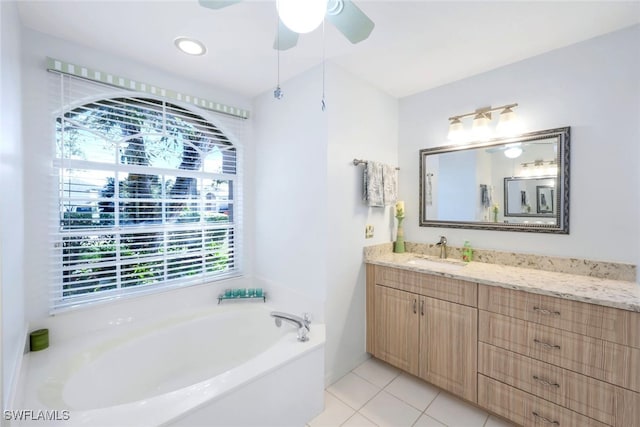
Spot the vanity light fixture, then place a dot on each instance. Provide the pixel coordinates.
(190, 46)
(508, 124)
(456, 130)
(480, 126)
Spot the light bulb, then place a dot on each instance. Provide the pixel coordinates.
(301, 16)
(480, 127)
(508, 123)
(190, 46)
(513, 151)
(456, 131)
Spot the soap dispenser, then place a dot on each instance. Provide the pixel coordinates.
(467, 252)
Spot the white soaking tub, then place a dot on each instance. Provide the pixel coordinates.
(219, 366)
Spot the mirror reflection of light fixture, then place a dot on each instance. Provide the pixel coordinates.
(539, 167)
(508, 124)
(301, 16)
(513, 151)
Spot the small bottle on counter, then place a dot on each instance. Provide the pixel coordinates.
(467, 252)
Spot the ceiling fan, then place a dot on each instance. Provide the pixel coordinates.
(343, 14)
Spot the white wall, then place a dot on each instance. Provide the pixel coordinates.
(593, 87)
(290, 137)
(363, 124)
(310, 218)
(12, 323)
(37, 142)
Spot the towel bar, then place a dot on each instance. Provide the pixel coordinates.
(357, 162)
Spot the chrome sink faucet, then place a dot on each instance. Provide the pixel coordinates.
(443, 247)
(302, 323)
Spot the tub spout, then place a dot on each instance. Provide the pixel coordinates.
(302, 323)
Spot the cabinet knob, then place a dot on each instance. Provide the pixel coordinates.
(415, 306)
(545, 382)
(546, 345)
(422, 307)
(545, 311)
(544, 419)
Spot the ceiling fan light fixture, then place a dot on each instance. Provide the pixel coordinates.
(301, 16)
(513, 151)
(190, 46)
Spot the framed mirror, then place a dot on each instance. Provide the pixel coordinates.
(530, 197)
(509, 184)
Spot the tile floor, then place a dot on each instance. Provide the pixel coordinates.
(377, 394)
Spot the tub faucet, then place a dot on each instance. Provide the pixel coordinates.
(443, 247)
(302, 323)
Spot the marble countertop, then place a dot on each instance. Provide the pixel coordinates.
(607, 292)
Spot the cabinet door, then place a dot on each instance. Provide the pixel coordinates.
(448, 346)
(396, 328)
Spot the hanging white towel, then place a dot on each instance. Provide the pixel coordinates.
(380, 184)
(390, 183)
(429, 195)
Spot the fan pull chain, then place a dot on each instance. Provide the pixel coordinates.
(277, 93)
(324, 43)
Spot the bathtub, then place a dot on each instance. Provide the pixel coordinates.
(223, 365)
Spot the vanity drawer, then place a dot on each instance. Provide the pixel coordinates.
(611, 324)
(526, 409)
(596, 399)
(430, 285)
(404, 280)
(606, 361)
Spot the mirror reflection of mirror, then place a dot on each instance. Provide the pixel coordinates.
(530, 198)
(518, 184)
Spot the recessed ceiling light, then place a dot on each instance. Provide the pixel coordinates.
(190, 46)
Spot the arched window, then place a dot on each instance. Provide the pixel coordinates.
(145, 199)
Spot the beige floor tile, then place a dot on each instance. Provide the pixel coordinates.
(387, 410)
(353, 390)
(377, 372)
(427, 421)
(335, 412)
(454, 412)
(412, 390)
(358, 420)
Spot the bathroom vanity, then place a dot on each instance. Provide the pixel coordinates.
(535, 347)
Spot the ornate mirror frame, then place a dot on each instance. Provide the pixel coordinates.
(561, 198)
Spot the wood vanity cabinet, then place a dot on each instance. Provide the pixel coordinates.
(425, 325)
(546, 360)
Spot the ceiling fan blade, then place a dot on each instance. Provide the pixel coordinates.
(352, 22)
(285, 39)
(217, 4)
(495, 149)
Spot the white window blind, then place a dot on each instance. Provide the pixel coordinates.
(147, 194)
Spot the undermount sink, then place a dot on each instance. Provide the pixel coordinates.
(437, 263)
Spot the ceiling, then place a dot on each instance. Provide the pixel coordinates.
(415, 45)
